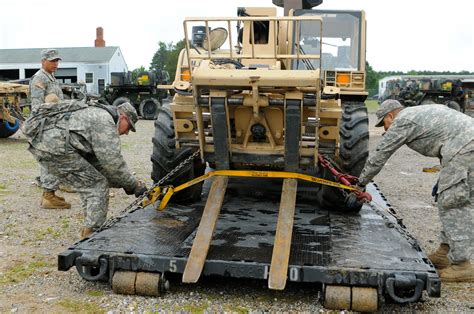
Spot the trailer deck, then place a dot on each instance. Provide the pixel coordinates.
(370, 248)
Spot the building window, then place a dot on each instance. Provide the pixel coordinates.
(89, 77)
(101, 83)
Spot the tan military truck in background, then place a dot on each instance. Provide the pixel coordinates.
(13, 97)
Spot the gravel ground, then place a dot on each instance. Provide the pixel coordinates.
(31, 238)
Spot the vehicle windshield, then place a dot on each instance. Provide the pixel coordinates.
(340, 49)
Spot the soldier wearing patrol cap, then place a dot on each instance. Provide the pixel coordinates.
(79, 143)
(130, 114)
(436, 131)
(42, 84)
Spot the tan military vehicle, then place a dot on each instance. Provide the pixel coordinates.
(261, 91)
(12, 100)
(270, 103)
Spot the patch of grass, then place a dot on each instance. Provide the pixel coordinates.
(9, 229)
(95, 293)
(52, 231)
(193, 308)
(372, 105)
(24, 164)
(238, 309)
(41, 234)
(80, 306)
(22, 271)
(64, 222)
(4, 190)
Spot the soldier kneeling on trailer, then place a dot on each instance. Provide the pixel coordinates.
(436, 131)
(79, 143)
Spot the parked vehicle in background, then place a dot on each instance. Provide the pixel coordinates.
(142, 92)
(424, 90)
(13, 98)
(74, 90)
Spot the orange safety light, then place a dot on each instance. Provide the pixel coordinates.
(185, 75)
(343, 78)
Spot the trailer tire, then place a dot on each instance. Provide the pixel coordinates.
(117, 102)
(166, 157)
(148, 108)
(353, 153)
(7, 129)
(453, 105)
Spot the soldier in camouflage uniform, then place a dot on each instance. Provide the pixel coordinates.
(79, 143)
(436, 131)
(42, 84)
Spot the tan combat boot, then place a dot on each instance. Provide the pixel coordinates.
(86, 232)
(439, 258)
(458, 272)
(51, 201)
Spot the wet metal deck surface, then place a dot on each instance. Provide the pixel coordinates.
(369, 240)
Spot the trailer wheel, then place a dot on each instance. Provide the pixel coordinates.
(148, 108)
(166, 157)
(117, 102)
(353, 153)
(359, 299)
(7, 129)
(123, 282)
(453, 105)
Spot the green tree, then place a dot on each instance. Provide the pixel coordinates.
(166, 57)
(371, 79)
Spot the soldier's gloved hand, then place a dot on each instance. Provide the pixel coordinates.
(140, 189)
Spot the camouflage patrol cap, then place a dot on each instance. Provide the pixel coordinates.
(50, 55)
(127, 109)
(386, 107)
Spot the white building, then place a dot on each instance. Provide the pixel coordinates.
(89, 65)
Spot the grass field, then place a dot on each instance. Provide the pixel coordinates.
(372, 105)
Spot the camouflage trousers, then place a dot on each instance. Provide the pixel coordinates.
(456, 204)
(78, 175)
(48, 182)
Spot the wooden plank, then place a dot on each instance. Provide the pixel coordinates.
(282, 245)
(202, 241)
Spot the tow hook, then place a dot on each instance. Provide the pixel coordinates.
(90, 268)
(403, 283)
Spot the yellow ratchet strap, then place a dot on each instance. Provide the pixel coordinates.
(242, 173)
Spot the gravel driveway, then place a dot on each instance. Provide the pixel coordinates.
(31, 238)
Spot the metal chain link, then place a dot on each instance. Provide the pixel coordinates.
(137, 203)
(17, 114)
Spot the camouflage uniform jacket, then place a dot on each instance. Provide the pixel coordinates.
(91, 132)
(431, 130)
(42, 84)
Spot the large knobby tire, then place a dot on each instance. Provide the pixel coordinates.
(7, 129)
(453, 105)
(117, 102)
(148, 108)
(353, 153)
(166, 157)
(428, 101)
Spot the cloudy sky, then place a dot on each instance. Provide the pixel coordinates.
(402, 34)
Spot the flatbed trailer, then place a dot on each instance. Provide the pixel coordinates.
(361, 259)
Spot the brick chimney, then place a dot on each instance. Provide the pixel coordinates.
(99, 41)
